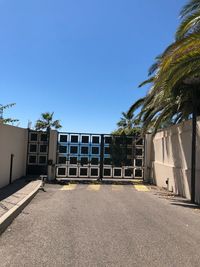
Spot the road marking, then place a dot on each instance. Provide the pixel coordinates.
(93, 187)
(142, 188)
(69, 187)
(116, 187)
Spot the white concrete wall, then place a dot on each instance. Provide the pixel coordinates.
(171, 159)
(13, 140)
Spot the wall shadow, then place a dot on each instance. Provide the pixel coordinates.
(13, 188)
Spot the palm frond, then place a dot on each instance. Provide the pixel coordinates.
(189, 8)
(150, 80)
(136, 105)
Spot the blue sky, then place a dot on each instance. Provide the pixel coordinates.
(82, 59)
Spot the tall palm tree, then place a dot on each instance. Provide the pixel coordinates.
(169, 99)
(46, 122)
(127, 125)
(175, 82)
(126, 121)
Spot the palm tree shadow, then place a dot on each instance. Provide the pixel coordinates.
(177, 200)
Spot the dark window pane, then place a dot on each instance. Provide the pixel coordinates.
(138, 152)
(73, 160)
(128, 172)
(83, 171)
(74, 138)
(138, 162)
(138, 173)
(43, 148)
(95, 139)
(43, 137)
(34, 136)
(73, 171)
(107, 161)
(107, 172)
(94, 161)
(73, 149)
(95, 150)
(107, 150)
(117, 172)
(62, 149)
(85, 139)
(62, 160)
(84, 160)
(42, 159)
(61, 171)
(33, 148)
(94, 172)
(32, 159)
(84, 150)
(108, 140)
(63, 138)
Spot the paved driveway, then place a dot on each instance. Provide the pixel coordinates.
(103, 225)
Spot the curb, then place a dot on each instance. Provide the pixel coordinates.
(10, 215)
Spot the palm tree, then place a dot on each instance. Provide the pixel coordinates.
(46, 122)
(175, 82)
(127, 125)
(126, 121)
(170, 96)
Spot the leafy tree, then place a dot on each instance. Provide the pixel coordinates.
(6, 120)
(46, 122)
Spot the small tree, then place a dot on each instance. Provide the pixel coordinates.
(6, 120)
(46, 122)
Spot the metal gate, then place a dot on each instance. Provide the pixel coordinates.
(99, 156)
(37, 152)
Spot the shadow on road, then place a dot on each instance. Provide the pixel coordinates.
(15, 186)
(184, 203)
(177, 200)
(12, 188)
(104, 181)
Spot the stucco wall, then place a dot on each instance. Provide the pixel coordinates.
(13, 140)
(171, 159)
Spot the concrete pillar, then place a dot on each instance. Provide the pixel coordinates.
(148, 158)
(52, 155)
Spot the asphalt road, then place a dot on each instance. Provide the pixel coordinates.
(103, 226)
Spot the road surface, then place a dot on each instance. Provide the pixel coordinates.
(103, 225)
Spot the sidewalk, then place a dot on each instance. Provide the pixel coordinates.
(14, 197)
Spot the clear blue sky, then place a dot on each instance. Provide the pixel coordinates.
(82, 59)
